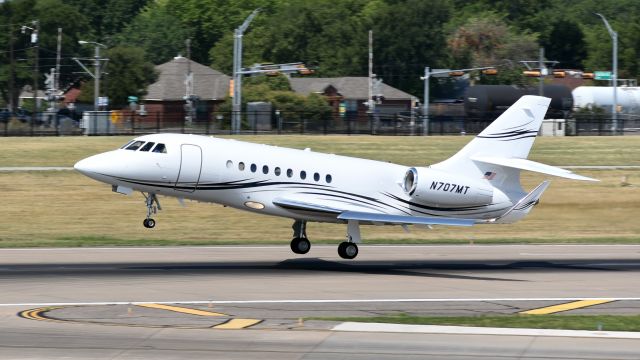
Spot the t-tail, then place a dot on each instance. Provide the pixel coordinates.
(499, 153)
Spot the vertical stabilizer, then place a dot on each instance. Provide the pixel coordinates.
(510, 136)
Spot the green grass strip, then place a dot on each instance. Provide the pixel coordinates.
(560, 322)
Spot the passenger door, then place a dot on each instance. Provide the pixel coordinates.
(190, 168)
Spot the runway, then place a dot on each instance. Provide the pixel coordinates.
(81, 291)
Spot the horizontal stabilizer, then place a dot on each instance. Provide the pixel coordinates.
(524, 205)
(524, 164)
(403, 220)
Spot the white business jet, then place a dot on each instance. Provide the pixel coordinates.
(479, 184)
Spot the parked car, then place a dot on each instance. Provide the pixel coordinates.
(5, 115)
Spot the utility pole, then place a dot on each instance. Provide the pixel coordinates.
(58, 58)
(189, 96)
(96, 69)
(371, 103)
(543, 72)
(12, 69)
(236, 116)
(614, 77)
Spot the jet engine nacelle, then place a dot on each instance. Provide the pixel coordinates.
(434, 187)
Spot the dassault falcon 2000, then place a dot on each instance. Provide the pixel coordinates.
(479, 184)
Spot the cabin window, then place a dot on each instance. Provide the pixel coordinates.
(241, 166)
(303, 174)
(147, 146)
(254, 168)
(289, 173)
(265, 169)
(135, 145)
(160, 148)
(276, 171)
(316, 177)
(229, 164)
(328, 179)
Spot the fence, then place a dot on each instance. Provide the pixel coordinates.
(288, 123)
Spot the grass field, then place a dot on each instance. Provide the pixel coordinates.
(561, 322)
(63, 208)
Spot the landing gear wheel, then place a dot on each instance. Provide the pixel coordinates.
(347, 250)
(149, 223)
(300, 245)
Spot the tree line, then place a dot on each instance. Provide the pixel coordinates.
(329, 36)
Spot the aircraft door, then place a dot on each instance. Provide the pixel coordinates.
(190, 168)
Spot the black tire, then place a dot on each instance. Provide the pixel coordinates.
(348, 250)
(300, 245)
(149, 223)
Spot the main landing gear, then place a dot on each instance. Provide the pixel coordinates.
(347, 249)
(153, 205)
(300, 244)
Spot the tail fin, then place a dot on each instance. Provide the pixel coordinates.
(510, 136)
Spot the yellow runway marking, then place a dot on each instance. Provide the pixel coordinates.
(237, 324)
(182, 310)
(564, 307)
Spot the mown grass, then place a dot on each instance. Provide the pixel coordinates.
(65, 151)
(561, 322)
(64, 208)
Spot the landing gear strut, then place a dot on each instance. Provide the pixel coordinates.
(300, 244)
(153, 205)
(349, 249)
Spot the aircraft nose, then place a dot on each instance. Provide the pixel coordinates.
(95, 166)
(83, 166)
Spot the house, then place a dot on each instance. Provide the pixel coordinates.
(166, 95)
(351, 94)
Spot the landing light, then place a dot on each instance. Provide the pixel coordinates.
(254, 205)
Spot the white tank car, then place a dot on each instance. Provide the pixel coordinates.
(602, 96)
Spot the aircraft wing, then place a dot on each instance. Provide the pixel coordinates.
(363, 214)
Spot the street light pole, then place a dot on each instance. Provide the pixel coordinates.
(614, 39)
(236, 118)
(425, 103)
(96, 70)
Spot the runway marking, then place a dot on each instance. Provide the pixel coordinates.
(36, 314)
(566, 307)
(469, 330)
(179, 309)
(237, 324)
(310, 301)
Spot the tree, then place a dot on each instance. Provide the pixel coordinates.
(156, 30)
(106, 17)
(487, 41)
(51, 15)
(129, 75)
(565, 43)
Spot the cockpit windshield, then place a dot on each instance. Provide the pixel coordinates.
(140, 145)
(160, 148)
(135, 145)
(147, 146)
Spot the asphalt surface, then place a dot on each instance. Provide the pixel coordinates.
(122, 303)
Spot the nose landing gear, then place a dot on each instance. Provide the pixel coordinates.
(153, 205)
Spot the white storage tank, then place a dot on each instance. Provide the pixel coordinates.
(601, 96)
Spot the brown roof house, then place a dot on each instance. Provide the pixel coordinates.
(165, 97)
(348, 95)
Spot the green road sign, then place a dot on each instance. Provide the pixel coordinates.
(602, 75)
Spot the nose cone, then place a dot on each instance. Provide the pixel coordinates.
(98, 167)
(84, 166)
